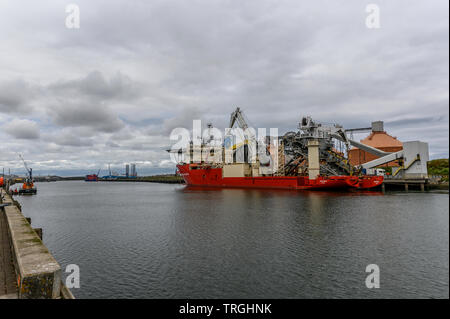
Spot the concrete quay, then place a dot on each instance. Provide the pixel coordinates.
(8, 284)
(406, 184)
(28, 269)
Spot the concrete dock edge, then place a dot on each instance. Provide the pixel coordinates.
(37, 271)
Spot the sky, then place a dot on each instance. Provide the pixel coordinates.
(73, 100)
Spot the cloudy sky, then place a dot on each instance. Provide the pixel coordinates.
(111, 91)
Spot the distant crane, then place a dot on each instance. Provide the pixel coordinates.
(28, 185)
(29, 170)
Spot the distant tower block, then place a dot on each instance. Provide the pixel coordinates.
(133, 170)
(127, 170)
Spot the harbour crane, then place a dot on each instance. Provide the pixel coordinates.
(28, 185)
(239, 117)
(29, 170)
(249, 143)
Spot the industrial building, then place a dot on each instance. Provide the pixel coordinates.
(378, 139)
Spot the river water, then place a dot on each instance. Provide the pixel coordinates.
(147, 240)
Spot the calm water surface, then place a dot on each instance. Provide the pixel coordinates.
(145, 240)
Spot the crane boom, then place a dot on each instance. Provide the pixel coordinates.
(237, 116)
(29, 170)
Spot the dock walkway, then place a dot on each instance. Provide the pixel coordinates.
(27, 268)
(8, 285)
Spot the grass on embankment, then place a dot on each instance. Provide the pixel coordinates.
(438, 167)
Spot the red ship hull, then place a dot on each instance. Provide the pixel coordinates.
(207, 176)
(91, 178)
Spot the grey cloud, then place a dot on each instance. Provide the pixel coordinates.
(15, 96)
(86, 101)
(412, 122)
(95, 84)
(123, 135)
(67, 139)
(23, 129)
(183, 117)
(112, 144)
(96, 116)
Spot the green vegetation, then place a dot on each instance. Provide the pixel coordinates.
(439, 167)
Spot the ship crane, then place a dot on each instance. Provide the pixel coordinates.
(29, 170)
(28, 185)
(238, 116)
(249, 139)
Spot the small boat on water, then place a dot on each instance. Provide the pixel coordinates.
(92, 177)
(28, 189)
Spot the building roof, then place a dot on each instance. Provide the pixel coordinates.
(381, 139)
